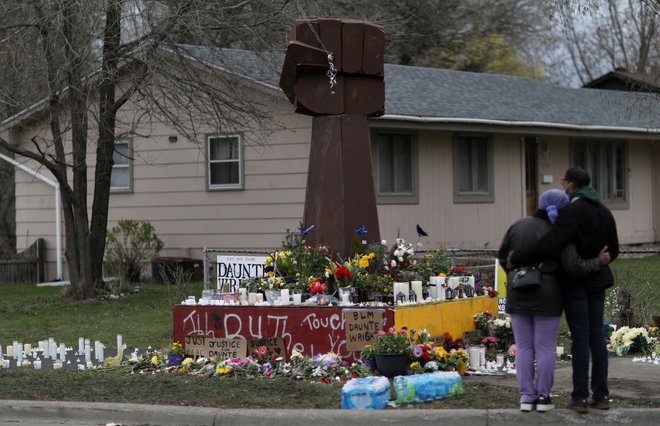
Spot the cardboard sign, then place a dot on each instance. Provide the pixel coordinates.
(211, 347)
(275, 346)
(362, 325)
(232, 270)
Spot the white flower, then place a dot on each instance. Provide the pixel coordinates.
(384, 242)
(400, 259)
(393, 263)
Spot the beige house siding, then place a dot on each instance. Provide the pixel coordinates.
(169, 189)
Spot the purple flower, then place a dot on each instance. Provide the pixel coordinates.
(267, 368)
(418, 351)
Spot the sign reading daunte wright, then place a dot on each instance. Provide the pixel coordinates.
(234, 269)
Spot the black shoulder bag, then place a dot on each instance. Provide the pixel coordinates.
(527, 279)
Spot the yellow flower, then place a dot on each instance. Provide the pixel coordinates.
(442, 274)
(154, 360)
(414, 365)
(328, 270)
(268, 261)
(186, 362)
(222, 370)
(270, 274)
(364, 262)
(371, 255)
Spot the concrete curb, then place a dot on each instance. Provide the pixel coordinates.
(41, 413)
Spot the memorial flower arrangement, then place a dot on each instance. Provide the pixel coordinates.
(489, 342)
(392, 341)
(503, 331)
(482, 321)
(429, 357)
(323, 367)
(632, 340)
(176, 349)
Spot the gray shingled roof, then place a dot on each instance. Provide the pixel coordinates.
(437, 94)
(416, 93)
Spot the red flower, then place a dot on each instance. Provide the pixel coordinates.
(342, 273)
(426, 356)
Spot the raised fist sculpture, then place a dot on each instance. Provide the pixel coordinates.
(340, 91)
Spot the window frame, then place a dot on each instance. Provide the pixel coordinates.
(241, 160)
(597, 172)
(129, 167)
(473, 196)
(411, 197)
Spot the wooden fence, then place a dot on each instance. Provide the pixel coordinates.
(28, 267)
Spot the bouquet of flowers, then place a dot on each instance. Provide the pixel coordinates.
(482, 320)
(391, 341)
(176, 349)
(631, 340)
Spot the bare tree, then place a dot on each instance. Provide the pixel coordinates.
(87, 59)
(602, 36)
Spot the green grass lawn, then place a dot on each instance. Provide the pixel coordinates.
(29, 313)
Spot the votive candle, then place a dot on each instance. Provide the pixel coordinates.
(297, 298)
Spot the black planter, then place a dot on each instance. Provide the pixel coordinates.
(391, 365)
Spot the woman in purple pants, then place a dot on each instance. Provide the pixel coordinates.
(535, 313)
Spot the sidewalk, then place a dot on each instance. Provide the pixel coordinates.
(42, 413)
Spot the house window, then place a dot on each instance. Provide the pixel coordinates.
(605, 161)
(473, 169)
(225, 162)
(395, 168)
(121, 179)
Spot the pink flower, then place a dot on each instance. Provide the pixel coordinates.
(262, 351)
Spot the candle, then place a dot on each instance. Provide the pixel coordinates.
(417, 289)
(81, 366)
(88, 353)
(81, 345)
(120, 342)
(62, 352)
(45, 347)
(242, 295)
(473, 355)
(5, 363)
(99, 354)
(260, 298)
(27, 348)
(10, 351)
(57, 365)
(560, 350)
(284, 293)
(0, 351)
(345, 298)
(19, 353)
(252, 298)
(37, 364)
(53, 350)
(500, 359)
(482, 355)
(15, 348)
(297, 298)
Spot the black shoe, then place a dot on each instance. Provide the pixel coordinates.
(544, 403)
(600, 404)
(579, 406)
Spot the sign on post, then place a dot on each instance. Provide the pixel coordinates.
(362, 325)
(231, 270)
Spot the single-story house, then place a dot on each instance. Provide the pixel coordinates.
(462, 154)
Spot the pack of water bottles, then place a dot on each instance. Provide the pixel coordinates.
(367, 393)
(427, 387)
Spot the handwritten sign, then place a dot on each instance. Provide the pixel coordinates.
(211, 347)
(275, 346)
(362, 325)
(234, 269)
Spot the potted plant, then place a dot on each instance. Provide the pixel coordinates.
(391, 351)
(175, 354)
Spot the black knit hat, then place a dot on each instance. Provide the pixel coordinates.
(578, 176)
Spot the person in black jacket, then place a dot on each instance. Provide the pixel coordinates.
(588, 224)
(535, 313)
